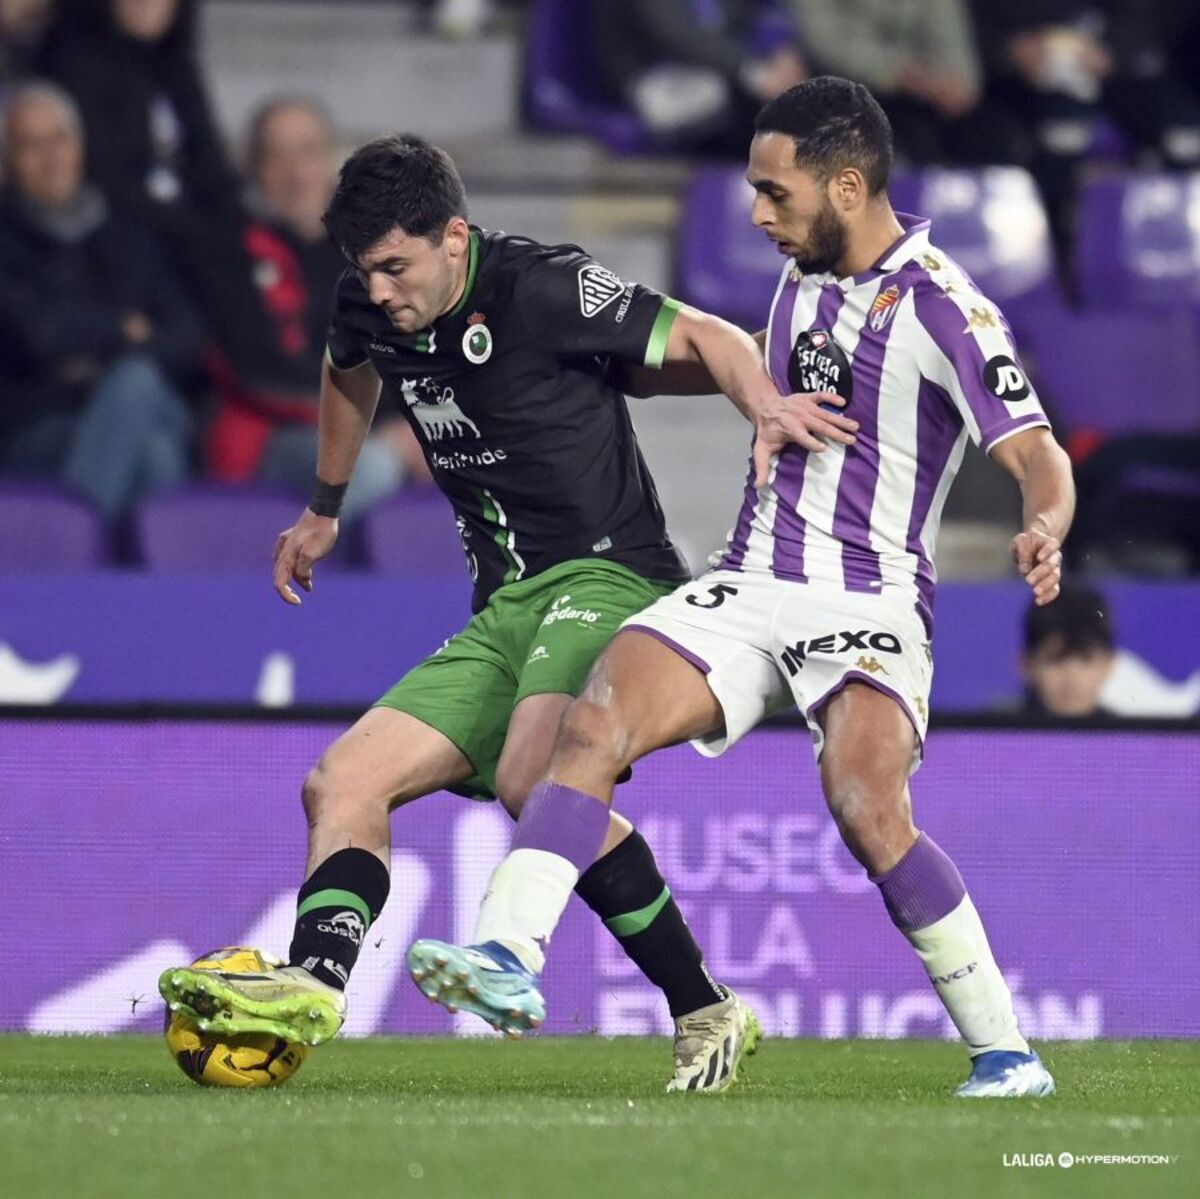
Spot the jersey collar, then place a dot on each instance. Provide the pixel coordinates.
(911, 243)
(472, 271)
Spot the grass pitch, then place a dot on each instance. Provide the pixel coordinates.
(584, 1117)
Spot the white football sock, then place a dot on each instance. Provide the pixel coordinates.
(524, 902)
(960, 965)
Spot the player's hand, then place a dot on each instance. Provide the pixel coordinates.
(297, 549)
(1039, 559)
(799, 420)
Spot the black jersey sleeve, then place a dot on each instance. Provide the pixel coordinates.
(346, 343)
(573, 306)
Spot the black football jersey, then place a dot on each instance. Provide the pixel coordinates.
(510, 396)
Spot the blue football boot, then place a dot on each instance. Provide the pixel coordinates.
(1006, 1074)
(486, 979)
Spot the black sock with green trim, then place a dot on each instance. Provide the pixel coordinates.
(625, 889)
(334, 909)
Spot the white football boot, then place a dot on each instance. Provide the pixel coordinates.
(710, 1044)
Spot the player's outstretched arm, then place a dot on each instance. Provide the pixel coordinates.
(348, 402)
(734, 360)
(1041, 466)
(690, 378)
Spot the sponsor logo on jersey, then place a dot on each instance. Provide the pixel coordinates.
(818, 363)
(436, 412)
(540, 654)
(794, 656)
(598, 287)
(1005, 379)
(884, 308)
(477, 340)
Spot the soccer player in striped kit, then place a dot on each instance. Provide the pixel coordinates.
(823, 597)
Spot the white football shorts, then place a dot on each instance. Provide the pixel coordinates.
(765, 644)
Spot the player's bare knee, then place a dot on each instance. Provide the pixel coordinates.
(591, 732)
(871, 814)
(513, 786)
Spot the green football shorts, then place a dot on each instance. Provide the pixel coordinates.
(535, 636)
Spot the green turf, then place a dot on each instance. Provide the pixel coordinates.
(585, 1117)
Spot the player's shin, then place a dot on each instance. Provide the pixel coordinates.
(335, 907)
(625, 889)
(558, 836)
(928, 902)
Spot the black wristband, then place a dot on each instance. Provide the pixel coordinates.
(327, 498)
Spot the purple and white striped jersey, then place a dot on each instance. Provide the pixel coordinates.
(923, 360)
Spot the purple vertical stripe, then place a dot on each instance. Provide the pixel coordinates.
(778, 350)
(938, 426)
(736, 553)
(860, 471)
(787, 560)
(781, 335)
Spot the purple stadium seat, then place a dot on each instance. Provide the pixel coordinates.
(214, 527)
(563, 90)
(413, 533)
(723, 264)
(43, 527)
(990, 220)
(1117, 372)
(1139, 241)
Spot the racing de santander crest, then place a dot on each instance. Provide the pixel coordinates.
(477, 340)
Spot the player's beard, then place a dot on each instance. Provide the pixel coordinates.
(826, 243)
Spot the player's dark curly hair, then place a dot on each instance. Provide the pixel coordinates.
(835, 124)
(396, 182)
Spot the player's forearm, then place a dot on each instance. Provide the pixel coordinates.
(730, 357)
(348, 402)
(1048, 491)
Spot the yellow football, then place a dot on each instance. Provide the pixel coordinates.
(216, 1059)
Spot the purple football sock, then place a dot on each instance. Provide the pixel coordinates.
(922, 887)
(563, 821)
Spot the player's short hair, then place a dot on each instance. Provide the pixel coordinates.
(1076, 624)
(834, 123)
(395, 182)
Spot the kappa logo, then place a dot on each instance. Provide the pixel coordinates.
(436, 412)
(348, 924)
(872, 666)
(884, 308)
(598, 287)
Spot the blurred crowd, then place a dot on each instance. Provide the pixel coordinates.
(163, 308)
(163, 300)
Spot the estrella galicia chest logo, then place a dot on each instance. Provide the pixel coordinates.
(818, 363)
(436, 412)
(1005, 379)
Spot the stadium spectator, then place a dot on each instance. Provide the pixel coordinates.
(94, 331)
(919, 59)
(268, 308)
(23, 26)
(695, 71)
(1068, 653)
(1059, 64)
(153, 146)
(1074, 669)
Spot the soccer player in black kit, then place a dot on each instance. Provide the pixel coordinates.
(511, 358)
